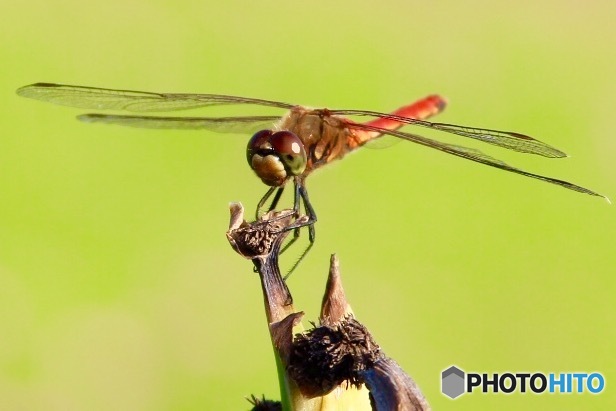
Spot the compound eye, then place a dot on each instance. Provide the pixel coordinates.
(259, 141)
(290, 150)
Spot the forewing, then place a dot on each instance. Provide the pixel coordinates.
(139, 101)
(506, 139)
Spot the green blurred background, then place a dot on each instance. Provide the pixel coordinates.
(119, 291)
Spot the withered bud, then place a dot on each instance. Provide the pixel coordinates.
(329, 355)
(259, 238)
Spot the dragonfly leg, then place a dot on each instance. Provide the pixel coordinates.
(279, 191)
(301, 195)
(296, 233)
(276, 199)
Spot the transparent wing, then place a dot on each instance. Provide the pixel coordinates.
(506, 139)
(217, 124)
(109, 99)
(382, 142)
(474, 155)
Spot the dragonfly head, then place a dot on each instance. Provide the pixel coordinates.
(276, 156)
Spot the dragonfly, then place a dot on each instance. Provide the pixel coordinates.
(288, 148)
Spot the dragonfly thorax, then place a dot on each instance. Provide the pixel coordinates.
(276, 156)
(325, 137)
